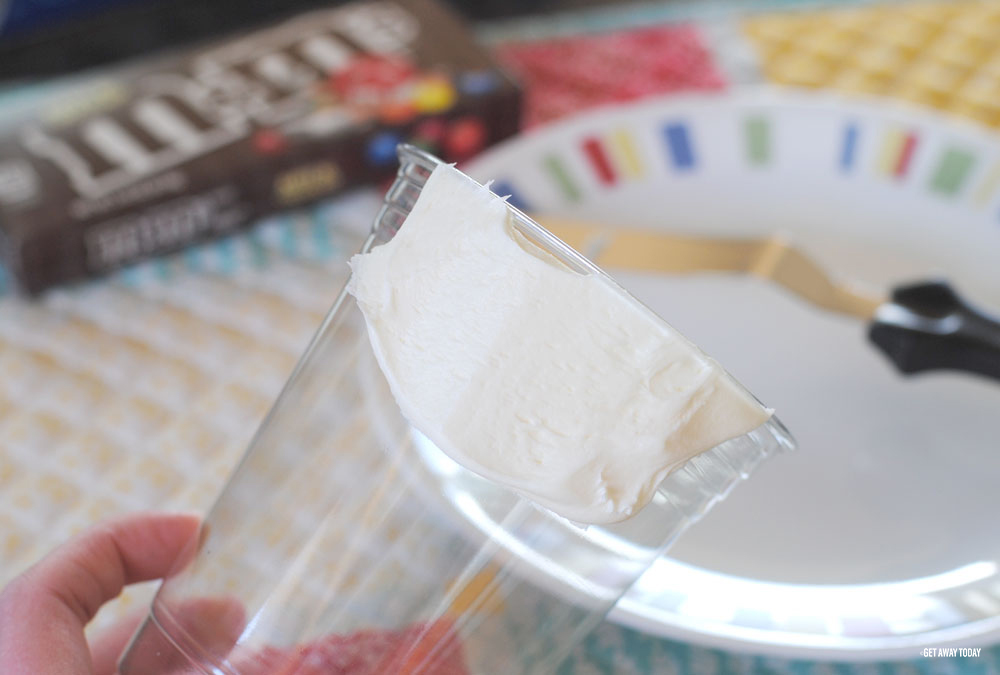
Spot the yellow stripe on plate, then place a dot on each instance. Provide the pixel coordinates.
(625, 153)
(989, 186)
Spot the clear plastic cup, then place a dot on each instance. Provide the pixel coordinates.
(346, 542)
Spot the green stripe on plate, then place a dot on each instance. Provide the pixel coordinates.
(562, 178)
(758, 140)
(952, 171)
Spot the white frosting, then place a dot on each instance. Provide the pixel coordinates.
(557, 384)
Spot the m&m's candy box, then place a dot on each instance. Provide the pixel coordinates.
(142, 161)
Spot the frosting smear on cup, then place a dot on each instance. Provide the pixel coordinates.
(557, 384)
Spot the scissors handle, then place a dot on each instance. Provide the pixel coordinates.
(928, 326)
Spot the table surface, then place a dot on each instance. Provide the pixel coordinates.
(215, 331)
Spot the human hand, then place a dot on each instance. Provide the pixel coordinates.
(43, 612)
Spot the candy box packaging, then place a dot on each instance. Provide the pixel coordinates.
(147, 159)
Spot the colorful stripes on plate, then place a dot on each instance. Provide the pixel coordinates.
(616, 156)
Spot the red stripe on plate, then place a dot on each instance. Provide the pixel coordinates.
(599, 160)
(905, 155)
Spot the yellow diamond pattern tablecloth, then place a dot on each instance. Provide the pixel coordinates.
(142, 391)
(942, 54)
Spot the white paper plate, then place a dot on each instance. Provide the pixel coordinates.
(882, 534)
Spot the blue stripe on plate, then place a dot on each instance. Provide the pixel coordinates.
(679, 144)
(849, 148)
(504, 188)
